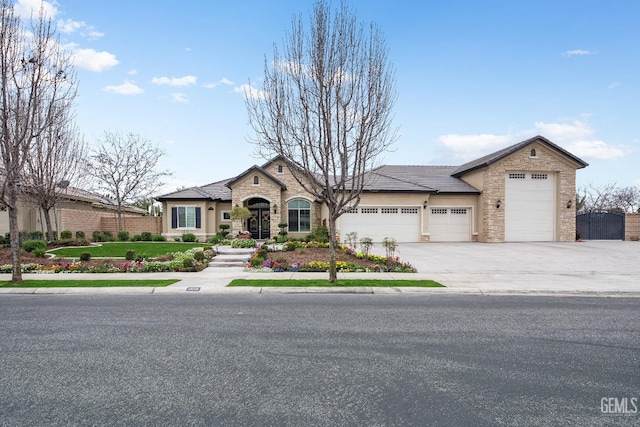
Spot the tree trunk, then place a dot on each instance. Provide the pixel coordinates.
(119, 217)
(16, 267)
(333, 278)
(47, 220)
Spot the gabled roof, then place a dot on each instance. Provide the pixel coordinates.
(429, 179)
(214, 191)
(253, 169)
(498, 155)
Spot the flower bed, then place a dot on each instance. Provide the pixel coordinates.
(314, 257)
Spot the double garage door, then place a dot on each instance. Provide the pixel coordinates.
(529, 207)
(378, 222)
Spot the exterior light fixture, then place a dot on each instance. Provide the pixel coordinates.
(237, 205)
(211, 208)
(424, 205)
(275, 208)
(498, 203)
(569, 204)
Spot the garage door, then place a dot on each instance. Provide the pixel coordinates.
(450, 224)
(529, 207)
(402, 224)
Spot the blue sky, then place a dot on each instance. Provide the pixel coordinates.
(472, 77)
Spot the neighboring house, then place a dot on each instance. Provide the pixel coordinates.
(77, 210)
(524, 192)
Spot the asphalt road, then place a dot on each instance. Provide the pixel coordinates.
(317, 360)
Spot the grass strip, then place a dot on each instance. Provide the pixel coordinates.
(119, 249)
(372, 283)
(89, 283)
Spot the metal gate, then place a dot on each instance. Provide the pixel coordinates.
(600, 225)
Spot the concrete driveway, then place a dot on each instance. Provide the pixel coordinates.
(589, 266)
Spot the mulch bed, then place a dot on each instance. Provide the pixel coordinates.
(27, 258)
(303, 256)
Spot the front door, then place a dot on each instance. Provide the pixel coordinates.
(260, 222)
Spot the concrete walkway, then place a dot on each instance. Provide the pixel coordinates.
(597, 268)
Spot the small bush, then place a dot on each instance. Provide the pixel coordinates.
(159, 238)
(256, 261)
(224, 230)
(31, 245)
(123, 236)
(38, 253)
(216, 239)
(108, 236)
(320, 234)
(79, 234)
(97, 236)
(146, 236)
(176, 239)
(188, 262)
(188, 237)
(390, 246)
(136, 238)
(199, 256)
(66, 234)
(243, 243)
(290, 246)
(85, 256)
(130, 255)
(366, 244)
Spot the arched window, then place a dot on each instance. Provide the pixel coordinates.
(299, 216)
(533, 152)
(256, 180)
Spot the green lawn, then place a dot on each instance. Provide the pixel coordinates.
(119, 249)
(88, 283)
(341, 283)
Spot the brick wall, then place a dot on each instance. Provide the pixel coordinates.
(632, 226)
(132, 224)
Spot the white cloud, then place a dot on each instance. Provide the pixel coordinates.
(69, 26)
(175, 81)
(250, 91)
(179, 98)
(613, 85)
(468, 147)
(577, 52)
(187, 49)
(127, 88)
(91, 60)
(576, 136)
(222, 81)
(132, 72)
(27, 8)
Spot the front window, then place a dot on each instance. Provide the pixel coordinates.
(299, 216)
(187, 217)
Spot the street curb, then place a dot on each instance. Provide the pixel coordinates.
(315, 290)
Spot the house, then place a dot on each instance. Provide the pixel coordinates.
(524, 192)
(77, 210)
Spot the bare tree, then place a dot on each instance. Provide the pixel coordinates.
(609, 197)
(54, 162)
(37, 83)
(326, 107)
(124, 168)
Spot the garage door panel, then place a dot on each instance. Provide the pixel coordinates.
(529, 207)
(399, 223)
(449, 224)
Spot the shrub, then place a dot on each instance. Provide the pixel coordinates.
(130, 255)
(351, 240)
(158, 238)
(38, 253)
(243, 243)
(188, 262)
(85, 256)
(146, 236)
(176, 239)
(97, 236)
(79, 234)
(256, 261)
(188, 237)
(390, 246)
(136, 238)
(66, 234)
(199, 256)
(366, 244)
(216, 239)
(123, 236)
(320, 234)
(224, 229)
(291, 246)
(31, 245)
(108, 236)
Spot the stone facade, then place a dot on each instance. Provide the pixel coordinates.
(492, 184)
(632, 227)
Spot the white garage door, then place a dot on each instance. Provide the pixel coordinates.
(529, 207)
(450, 224)
(401, 224)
